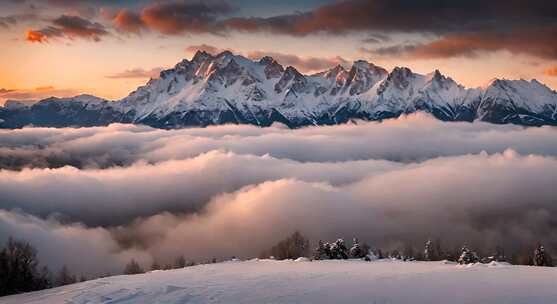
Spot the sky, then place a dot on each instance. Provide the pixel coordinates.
(109, 48)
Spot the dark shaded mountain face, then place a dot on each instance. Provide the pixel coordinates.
(227, 88)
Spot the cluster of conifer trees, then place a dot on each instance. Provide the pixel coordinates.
(133, 266)
(20, 269)
(297, 245)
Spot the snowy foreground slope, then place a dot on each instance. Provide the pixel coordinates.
(267, 281)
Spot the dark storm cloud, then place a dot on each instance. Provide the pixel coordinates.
(174, 17)
(435, 16)
(431, 16)
(71, 27)
(536, 42)
(449, 28)
(11, 20)
(128, 22)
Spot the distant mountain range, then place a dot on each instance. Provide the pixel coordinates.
(228, 88)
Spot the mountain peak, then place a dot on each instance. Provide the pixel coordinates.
(266, 60)
(273, 69)
(201, 56)
(225, 53)
(401, 72)
(334, 72)
(229, 88)
(437, 75)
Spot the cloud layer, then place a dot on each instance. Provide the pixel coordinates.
(137, 73)
(235, 190)
(458, 28)
(71, 27)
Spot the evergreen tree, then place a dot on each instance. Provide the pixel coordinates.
(467, 256)
(366, 251)
(430, 253)
(499, 255)
(180, 262)
(339, 250)
(293, 247)
(408, 253)
(322, 252)
(438, 250)
(155, 266)
(541, 257)
(133, 268)
(357, 252)
(396, 255)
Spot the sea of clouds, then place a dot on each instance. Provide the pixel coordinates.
(93, 198)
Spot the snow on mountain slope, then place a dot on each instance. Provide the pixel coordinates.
(227, 88)
(518, 101)
(354, 281)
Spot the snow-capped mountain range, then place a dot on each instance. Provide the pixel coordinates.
(228, 88)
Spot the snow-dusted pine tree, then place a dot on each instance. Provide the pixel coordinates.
(339, 250)
(468, 256)
(540, 256)
(322, 252)
(357, 252)
(429, 252)
(499, 255)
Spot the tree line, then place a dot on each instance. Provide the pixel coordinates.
(297, 245)
(21, 271)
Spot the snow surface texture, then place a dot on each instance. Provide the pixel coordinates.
(354, 281)
(228, 88)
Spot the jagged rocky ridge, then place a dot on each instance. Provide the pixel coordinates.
(227, 88)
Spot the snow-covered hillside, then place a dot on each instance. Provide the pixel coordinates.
(335, 281)
(228, 88)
